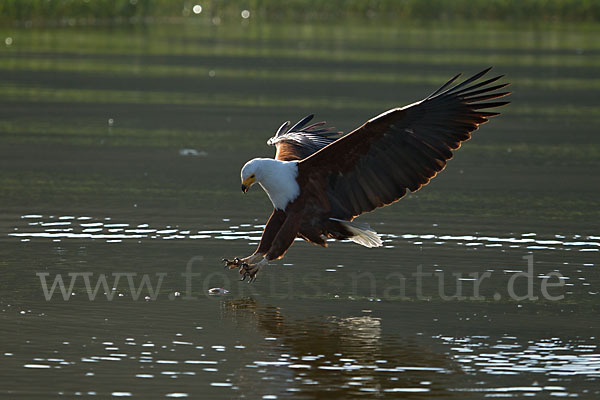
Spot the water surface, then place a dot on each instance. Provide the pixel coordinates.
(119, 158)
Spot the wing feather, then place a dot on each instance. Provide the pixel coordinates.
(401, 149)
(300, 141)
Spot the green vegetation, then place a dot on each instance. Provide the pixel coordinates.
(71, 12)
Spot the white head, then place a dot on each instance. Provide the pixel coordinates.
(252, 172)
(277, 178)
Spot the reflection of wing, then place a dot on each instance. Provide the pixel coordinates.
(329, 356)
(399, 150)
(298, 142)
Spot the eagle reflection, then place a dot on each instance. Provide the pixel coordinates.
(332, 356)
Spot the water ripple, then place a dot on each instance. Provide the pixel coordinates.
(552, 357)
(57, 228)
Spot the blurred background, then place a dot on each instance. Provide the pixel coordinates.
(123, 127)
(101, 99)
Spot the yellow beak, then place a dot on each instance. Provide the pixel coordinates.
(246, 183)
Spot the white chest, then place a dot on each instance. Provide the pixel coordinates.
(279, 182)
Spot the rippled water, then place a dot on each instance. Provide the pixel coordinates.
(119, 156)
(294, 355)
(85, 227)
(290, 331)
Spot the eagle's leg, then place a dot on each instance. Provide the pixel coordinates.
(271, 229)
(277, 243)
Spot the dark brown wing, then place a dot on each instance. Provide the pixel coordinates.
(399, 150)
(299, 142)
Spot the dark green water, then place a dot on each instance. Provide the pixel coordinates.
(120, 153)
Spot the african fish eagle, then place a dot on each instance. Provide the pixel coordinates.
(320, 180)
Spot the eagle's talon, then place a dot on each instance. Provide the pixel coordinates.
(251, 276)
(248, 267)
(250, 270)
(231, 264)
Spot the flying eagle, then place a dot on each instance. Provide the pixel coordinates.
(320, 180)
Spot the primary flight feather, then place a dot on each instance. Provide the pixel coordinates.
(320, 180)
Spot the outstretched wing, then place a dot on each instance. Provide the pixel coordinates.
(299, 142)
(399, 150)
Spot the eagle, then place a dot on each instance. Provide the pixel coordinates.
(320, 179)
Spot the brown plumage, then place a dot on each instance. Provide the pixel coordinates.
(335, 178)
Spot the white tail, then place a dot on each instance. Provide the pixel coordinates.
(362, 233)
